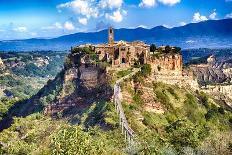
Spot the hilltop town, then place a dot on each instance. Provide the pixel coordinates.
(166, 62)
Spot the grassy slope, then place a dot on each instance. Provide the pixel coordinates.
(37, 134)
(191, 122)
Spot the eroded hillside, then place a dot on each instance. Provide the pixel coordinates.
(165, 118)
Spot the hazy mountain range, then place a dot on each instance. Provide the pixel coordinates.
(212, 33)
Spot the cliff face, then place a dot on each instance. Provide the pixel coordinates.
(83, 83)
(215, 71)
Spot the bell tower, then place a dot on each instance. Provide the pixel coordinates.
(111, 35)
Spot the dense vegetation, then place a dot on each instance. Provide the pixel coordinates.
(192, 122)
(24, 74)
(37, 134)
(31, 63)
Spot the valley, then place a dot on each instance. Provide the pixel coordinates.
(116, 98)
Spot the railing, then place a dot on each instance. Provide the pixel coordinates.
(126, 130)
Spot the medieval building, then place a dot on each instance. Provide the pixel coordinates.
(122, 53)
(127, 54)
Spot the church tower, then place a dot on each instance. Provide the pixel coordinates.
(111, 35)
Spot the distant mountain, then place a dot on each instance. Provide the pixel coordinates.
(211, 33)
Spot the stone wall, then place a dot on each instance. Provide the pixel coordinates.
(167, 64)
(224, 89)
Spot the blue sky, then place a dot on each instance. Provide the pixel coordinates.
(50, 18)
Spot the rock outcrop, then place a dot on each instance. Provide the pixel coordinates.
(215, 71)
(84, 83)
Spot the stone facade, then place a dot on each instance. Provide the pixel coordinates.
(166, 67)
(122, 53)
(167, 64)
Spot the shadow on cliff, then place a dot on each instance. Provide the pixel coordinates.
(33, 104)
(20, 109)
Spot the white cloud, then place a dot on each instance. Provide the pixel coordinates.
(69, 26)
(34, 34)
(167, 26)
(20, 29)
(86, 8)
(116, 16)
(83, 21)
(229, 15)
(56, 25)
(142, 26)
(147, 3)
(197, 17)
(182, 23)
(213, 15)
(169, 2)
(111, 3)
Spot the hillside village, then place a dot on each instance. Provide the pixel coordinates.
(165, 63)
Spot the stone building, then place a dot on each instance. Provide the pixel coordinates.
(122, 53)
(167, 64)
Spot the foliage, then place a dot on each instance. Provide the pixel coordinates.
(123, 73)
(73, 140)
(37, 134)
(146, 70)
(5, 105)
(153, 48)
(183, 133)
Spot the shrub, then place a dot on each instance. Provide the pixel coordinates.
(146, 70)
(221, 110)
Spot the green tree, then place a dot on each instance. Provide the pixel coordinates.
(176, 49)
(146, 70)
(153, 48)
(168, 49)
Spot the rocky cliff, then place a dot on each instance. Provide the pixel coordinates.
(84, 83)
(217, 70)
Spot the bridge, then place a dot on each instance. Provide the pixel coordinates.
(126, 130)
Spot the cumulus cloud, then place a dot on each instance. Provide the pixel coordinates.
(110, 4)
(69, 26)
(213, 15)
(83, 21)
(20, 29)
(116, 16)
(169, 2)
(147, 3)
(84, 7)
(229, 15)
(197, 17)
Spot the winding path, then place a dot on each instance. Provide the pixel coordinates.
(126, 130)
